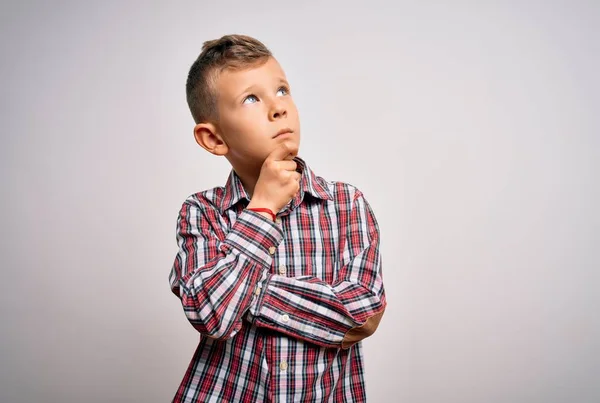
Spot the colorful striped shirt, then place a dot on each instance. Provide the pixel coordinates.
(281, 306)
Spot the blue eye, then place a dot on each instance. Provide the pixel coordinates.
(250, 97)
(284, 89)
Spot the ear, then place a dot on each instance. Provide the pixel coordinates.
(208, 137)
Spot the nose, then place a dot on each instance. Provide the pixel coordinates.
(278, 111)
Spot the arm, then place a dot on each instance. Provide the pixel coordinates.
(331, 315)
(215, 273)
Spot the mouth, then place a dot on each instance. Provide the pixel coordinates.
(283, 132)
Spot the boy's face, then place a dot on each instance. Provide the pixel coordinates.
(254, 106)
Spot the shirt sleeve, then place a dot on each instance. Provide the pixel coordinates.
(331, 315)
(215, 274)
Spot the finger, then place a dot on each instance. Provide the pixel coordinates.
(293, 148)
(292, 175)
(288, 165)
(281, 152)
(284, 151)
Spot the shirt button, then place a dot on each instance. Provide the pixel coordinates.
(283, 365)
(278, 220)
(272, 250)
(282, 269)
(285, 318)
(257, 291)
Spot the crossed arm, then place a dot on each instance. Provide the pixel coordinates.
(224, 278)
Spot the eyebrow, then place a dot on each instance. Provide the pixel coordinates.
(247, 89)
(283, 80)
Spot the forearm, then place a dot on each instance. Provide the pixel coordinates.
(216, 292)
(308, 308)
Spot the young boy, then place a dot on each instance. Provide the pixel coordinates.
(279, 270)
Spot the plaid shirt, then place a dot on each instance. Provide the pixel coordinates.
(281, 307)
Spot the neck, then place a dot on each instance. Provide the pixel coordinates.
(248, 176)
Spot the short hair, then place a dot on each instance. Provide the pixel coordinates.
(229, 51)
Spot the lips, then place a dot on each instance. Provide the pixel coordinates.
(287, 130)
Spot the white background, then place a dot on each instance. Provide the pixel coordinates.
(471, 127)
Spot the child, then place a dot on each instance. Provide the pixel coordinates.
(279, 270)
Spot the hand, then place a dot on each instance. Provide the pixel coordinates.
(278, 181)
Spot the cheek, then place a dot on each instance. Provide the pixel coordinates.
(292, 110)
(250, 129)
(248, 118)
(238, 125)
(247, 133)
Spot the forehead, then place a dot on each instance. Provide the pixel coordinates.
(230, 82)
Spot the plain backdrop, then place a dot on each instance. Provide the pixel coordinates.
(471, 127)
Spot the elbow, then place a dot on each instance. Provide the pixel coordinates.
(214, 328)
(216, 335)
(208, 320)
(359, 333)
(222, 334)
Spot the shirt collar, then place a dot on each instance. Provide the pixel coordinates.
(309, 184)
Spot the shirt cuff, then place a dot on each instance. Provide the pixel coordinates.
(256, 236)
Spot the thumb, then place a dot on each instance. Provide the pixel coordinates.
(285, 151)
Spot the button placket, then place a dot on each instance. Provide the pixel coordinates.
(282, 361)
